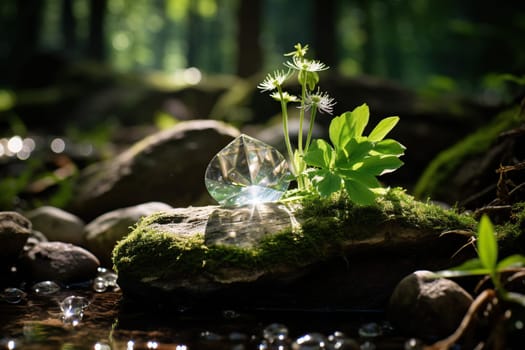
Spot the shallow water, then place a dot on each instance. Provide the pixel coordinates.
(112, 322)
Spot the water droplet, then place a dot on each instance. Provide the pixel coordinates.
(102, 345)
(275, 331)
(152, 344)
(237, 337)
(367, 345)
(370, 330)
(230, 314)
(45, 288)
(275, 345)
(72, 319)
(111, 279)
(210, 336)
(101, 270)
(99, 284)
(310, 341)
(13, 295)
(413, 344)
(339, 341)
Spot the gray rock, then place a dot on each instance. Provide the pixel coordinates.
(426, 307)
(276, 255)
(105, 231)
(58, 261)
(57, 224)
(15, 229)
(168, 166)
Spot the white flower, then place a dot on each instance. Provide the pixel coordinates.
(304, 64)
(271, 82)
(286, 97)
(320, 100)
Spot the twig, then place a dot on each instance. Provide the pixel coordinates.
(483, 299)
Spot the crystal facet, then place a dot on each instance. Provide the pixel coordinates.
(247, 171)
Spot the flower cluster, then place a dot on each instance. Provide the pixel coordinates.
(310, 100)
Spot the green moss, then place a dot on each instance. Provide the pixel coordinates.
(511, 235)
(325, 224)
(442, 167)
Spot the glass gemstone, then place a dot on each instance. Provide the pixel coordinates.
(247, 171)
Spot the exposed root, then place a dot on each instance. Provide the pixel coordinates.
(478, 304)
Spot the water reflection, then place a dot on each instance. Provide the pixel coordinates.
(106, 321)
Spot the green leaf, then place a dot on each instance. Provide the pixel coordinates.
(327, 183)
(339, 131)
(358, 120)
(468, 268)
(363, 178)
(379, 165)
(348, 125)
(487, 244)
(319, 154)
(355, 151)
(382, 129)
(515, 298)
(511, 261)
(389, 147)
(359, 193)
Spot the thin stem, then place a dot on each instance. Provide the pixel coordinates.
(284, 110)
(301, 115)
(311, 128)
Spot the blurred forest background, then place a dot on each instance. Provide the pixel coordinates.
(75, 73)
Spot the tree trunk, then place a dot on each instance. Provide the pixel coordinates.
(96, 48)
(27, 35)
(249, 54)
(68, 24)
(325, 31)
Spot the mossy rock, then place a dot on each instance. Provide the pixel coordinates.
(466, 172)
(317, 253)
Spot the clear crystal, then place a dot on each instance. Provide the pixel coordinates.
(247, 171)
(74, 303)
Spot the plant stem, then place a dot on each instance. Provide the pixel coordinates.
(284, 110)
(301, 115)
(310, 129)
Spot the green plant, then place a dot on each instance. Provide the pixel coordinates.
(353, 161)
(487, 262)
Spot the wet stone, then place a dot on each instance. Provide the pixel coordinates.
(45, 288)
